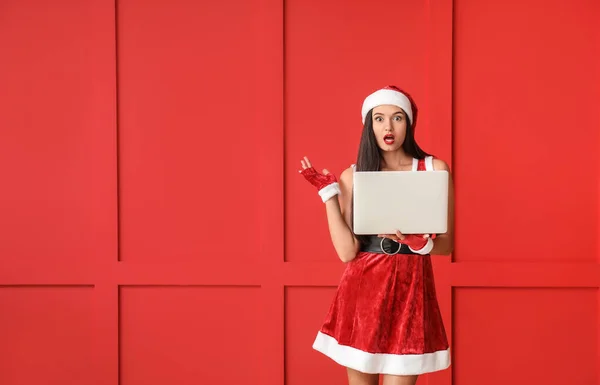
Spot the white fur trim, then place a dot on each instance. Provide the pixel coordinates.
(426, 249)
(395, 364)
(329, 191)
(429, 163)
(383, 96)
(415, 165)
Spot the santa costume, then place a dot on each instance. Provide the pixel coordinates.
(385, 316)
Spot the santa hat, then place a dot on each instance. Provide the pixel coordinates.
(390, 95)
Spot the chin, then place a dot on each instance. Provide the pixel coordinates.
(390, 148)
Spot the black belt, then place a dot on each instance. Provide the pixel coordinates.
(374, 244)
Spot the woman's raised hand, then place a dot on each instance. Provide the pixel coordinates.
(326, 183)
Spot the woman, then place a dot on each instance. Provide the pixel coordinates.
(385, 317)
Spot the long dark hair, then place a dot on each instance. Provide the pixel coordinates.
(369, 153)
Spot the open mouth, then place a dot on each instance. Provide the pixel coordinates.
(388, 139)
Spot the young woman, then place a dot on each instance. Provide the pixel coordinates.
(385, 317)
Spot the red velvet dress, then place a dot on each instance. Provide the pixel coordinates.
(385, 316)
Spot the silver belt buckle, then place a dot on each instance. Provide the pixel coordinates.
(385, 252)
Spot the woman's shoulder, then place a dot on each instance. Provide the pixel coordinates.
(346, 175)
(440, 164)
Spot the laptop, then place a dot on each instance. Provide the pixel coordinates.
(414, 202)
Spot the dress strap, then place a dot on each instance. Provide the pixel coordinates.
(423, 164)
(429, 163)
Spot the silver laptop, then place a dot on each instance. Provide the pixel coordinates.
(414, 202)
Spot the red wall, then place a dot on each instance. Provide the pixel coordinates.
(154, 227)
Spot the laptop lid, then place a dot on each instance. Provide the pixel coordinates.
(413, 202)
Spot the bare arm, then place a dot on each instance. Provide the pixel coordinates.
(337, 199)
(339, 220)
(444, 243)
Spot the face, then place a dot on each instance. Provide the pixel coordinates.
(389, 126)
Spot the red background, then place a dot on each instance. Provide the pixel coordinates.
(154, 227)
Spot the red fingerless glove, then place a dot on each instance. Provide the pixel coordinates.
(327, 185)
(418, 244)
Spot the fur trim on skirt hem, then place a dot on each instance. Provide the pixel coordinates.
(381, 363)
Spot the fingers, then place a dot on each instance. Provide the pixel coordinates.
(402, 236)
(304, 165)
(307, 162)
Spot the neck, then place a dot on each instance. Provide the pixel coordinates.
(396, 160)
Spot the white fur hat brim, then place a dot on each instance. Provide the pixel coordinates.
(387, 96)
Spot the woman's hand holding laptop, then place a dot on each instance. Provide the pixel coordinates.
(421, 244)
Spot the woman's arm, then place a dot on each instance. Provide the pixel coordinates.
(337, 198)
(339, 220)
(443, 244)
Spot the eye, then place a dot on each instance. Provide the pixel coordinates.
(398, 118)
(378, 118)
